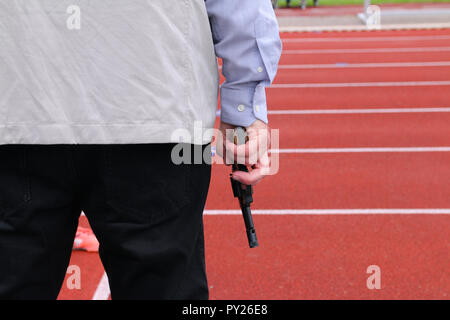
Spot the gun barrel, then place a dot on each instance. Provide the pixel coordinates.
(249, 227)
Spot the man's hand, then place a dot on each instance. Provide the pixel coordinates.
(254, 153)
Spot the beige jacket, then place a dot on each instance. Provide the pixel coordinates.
(103, 72)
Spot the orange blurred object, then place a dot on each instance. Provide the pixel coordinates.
(85, 240)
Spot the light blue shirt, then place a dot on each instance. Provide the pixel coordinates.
(247, 39)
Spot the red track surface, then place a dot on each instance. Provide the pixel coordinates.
(326, 256)
(363, 130)
(343, 74)
(366, 57)
(342, 181)
(376, 97)
(363, 75)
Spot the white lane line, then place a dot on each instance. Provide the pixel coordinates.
(362, 150)
(365, 65)
(102, 292)
(362, 27)
(330, 211)
(360, 84)
(359, 111)
(368, 39)
(367, 50)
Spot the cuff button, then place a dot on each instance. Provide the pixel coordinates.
(241, 107)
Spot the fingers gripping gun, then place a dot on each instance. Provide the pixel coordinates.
(244, 193)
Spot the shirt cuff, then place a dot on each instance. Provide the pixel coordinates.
(243, 105)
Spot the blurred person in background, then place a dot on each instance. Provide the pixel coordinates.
(91, 96)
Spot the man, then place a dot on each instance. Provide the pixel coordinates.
(91, 96)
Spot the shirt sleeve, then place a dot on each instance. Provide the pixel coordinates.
(246, 37)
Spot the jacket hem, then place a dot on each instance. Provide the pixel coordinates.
(49, 134)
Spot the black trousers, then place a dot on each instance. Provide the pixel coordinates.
(145, 211)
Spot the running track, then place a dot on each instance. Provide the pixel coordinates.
(364, 121)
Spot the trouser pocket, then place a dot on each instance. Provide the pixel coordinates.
(143, 184)
(15, 191)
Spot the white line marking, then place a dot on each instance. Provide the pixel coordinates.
(367, 39)
(102, 292)
(366, 50)
(362, 150)
(406, 26)
(360, 84)
(329, 211)
(365, 65)
(358, 111)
